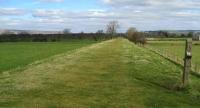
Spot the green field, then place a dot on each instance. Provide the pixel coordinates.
(111, 74)
(19, 54)
(177, 48)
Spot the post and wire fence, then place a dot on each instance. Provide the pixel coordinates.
(175, 58)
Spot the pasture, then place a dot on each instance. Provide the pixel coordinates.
(177, 48)
(18, 54)
(114, 73)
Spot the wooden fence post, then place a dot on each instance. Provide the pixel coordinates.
(195, 67)
(187, 62)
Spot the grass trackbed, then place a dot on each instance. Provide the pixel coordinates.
(113, 73)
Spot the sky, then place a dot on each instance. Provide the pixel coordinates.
(93, 15)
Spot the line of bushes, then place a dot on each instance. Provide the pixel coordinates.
(54, 37)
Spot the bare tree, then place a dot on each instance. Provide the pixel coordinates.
(112, 27)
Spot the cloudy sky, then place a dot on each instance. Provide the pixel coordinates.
(91, 15)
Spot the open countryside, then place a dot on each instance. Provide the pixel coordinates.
(99, 54)
(100, 75)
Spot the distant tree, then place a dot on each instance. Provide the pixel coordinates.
(23, 33)
(97, 35)
(99, 32)
(173, 35)
(183, 35)
(141, 38)
(66, 31)
(135, 36)
(132, 34)
(7, 32)
(163, 34)
(190, 34)
(131, 31)
(82, 32)
(166, 34)
(112, 28)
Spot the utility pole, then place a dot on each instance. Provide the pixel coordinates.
(187, 62)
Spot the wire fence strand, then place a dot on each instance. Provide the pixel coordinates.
(195, 67)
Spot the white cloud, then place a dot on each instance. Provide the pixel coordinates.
(154, 5)
(52, 1)
(142, 14)
(165, 14)
(12, 11)
(56, 13)
(48, 13)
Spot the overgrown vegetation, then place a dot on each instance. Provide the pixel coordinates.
(135, 36)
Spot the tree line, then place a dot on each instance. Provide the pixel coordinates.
(165, 34)
(55, 37)
(111, 32)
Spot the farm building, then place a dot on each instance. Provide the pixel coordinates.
(196, 36)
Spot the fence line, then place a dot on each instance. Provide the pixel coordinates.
(195, 67)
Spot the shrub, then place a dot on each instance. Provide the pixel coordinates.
(135, 36)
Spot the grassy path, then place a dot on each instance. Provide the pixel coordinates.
(114, 73)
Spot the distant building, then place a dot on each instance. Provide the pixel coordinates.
(196, 36)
